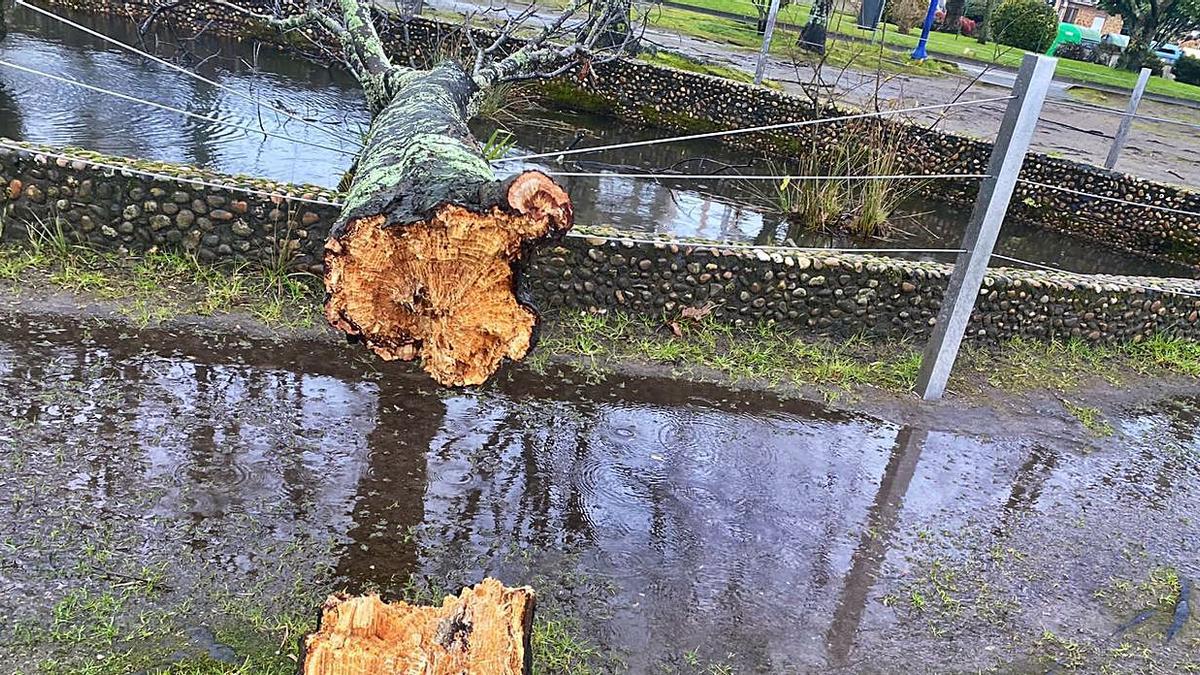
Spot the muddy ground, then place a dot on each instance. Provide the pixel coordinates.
(186, 492)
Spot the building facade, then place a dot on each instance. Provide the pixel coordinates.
(1087, 13)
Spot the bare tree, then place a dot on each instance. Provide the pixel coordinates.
(812, 37)
(423, 260)
(764, 8)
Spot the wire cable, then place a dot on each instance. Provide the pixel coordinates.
(165, 176)
(206, 118)
(585, 235)
(1122, 113)
(736, 245)
(1109, 279)
(734, 176)
(185, 71)
(747, 130)
(1117, 200)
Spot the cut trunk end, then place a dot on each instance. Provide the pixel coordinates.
(486, 629)
(443, 289)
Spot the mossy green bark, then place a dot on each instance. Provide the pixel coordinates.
(419, 153)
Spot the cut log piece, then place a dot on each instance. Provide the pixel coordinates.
(484, 631)
(421, 263)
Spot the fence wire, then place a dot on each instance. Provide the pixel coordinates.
(180, 69)
(165, 176)
(180, 111)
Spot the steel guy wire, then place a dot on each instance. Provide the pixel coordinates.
(746, 130)
(1122, 113)
(324, 202)
(734, 176)
(185, 71)
(1114, 282)
(1117, 200)
(751, 246)
(168, 108)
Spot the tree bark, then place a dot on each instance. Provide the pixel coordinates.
(812, 36)
(424, 259)
(487, 629)
(954, 14)
(421, 262)
(984, 32)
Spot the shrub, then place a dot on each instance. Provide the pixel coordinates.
(905, 14)
(1187, 70)
(976, 10)
(966, 26)
(1025, 24)
(1076, 52)
(1135, 60)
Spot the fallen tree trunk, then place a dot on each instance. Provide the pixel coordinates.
(485, 630)
(421, 262)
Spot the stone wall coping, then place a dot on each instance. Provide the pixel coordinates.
(600, 236)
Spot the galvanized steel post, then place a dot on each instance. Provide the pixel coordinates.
(1127, 119)
(1008, 154)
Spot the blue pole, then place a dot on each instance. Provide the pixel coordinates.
(919, 53)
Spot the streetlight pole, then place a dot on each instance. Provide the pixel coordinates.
(919, 53)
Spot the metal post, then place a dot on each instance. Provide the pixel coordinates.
(1127, 119)
(919, 53)
(766, 45)
(1008, 154)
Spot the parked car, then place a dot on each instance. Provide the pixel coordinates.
(1169, 53)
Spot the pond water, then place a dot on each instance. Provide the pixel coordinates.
(671, 524)
(37, 109)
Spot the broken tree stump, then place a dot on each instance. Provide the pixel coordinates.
(444, 288)
(485, 630)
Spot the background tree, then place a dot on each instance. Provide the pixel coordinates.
(1150, 23)
(1025, 24)
(812, 36)
(955, 9)
(984, 34)
(905, 14)
(764, 7)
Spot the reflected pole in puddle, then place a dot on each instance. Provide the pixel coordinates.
(868, 557)
(1027, 485)
(382, 548)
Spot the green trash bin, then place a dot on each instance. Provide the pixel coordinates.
(1068, 34)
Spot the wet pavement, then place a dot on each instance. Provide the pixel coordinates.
(675, 524)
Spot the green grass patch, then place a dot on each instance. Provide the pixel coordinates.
(762, 353)
(161, 285)
(684, 62)
(901, 45)
(566, 94)
(1091, 418)
(840, 53)
(1090, 95)
(597, 342)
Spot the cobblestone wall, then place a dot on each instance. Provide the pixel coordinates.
(115, 207)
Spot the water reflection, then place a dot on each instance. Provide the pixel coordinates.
(666, 517)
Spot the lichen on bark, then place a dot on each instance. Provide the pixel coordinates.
(423, 261)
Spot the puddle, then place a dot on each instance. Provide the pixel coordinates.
(675, 523)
